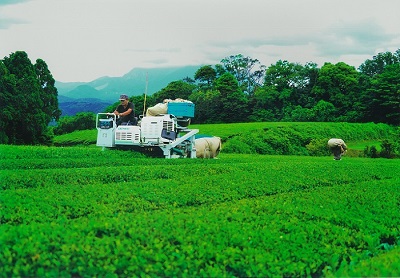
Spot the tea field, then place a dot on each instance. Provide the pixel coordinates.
(80, 211)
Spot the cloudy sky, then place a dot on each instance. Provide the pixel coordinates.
(81, 40)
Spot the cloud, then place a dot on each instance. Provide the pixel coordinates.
(161, 61)
(153, 50)
(83, 39)
(12, 2)
(359, 38)
(6, 23)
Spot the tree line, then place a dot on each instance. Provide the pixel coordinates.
(238, 89)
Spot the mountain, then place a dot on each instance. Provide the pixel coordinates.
(95, 95)
(132, 83)
(71, 106)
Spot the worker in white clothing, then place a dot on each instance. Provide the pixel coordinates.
(338, 148)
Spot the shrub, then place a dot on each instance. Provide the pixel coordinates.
(389, 149)
(371, 152)
(318, 147)
(82, 121)
(237, 146)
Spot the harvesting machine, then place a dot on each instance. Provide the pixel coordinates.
(164, 135)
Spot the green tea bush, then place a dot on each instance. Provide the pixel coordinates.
(390, 149)
(318, 147)
(306, 138)
(242, 215)
(285, 138)
(371, 152)
(78, 137)
(237, 146)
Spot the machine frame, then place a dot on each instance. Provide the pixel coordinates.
(160, 135)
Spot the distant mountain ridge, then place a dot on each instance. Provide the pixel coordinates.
(71, 106)
(132, 83)
(96, 95)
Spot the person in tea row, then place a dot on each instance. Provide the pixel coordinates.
(338, 148)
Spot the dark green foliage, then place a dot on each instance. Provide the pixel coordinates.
(208, 106)
(233, 100)
(7, 82)
(205, 76)
(323, 111)
(385, 94)
(371, 152)
(379, 62)
(293, 92)
(390, 148)
(49, 94)
(338, 85)
(28, 100)
(293, 82)
(174, 90)
(81, 121)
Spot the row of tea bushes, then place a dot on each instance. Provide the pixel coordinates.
(240, 215)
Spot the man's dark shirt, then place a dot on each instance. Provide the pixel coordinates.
(127, 118)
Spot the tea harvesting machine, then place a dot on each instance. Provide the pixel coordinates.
(165, 135)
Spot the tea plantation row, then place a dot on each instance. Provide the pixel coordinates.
(86, 212)
(285, 138)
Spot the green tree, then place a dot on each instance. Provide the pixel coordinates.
(30, 115)
(322, 111)
(208, 106)
(338, 85)
(286, 87)
(285, 78)
(7, 86)
(301, 114)
(49, 94)
(174, 90)
(379, 62)
(234, 101)
(266, 105)
(205, 76)
(284, 75)
(378, 96)
(248, 72)
(385, 96)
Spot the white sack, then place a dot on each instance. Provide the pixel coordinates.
(335, 142)
(160, 108)
(207, 147)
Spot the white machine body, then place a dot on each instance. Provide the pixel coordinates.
(106, 131)
(162, 131)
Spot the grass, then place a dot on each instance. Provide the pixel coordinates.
(361, 145)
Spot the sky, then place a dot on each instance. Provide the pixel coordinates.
(82, 40)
